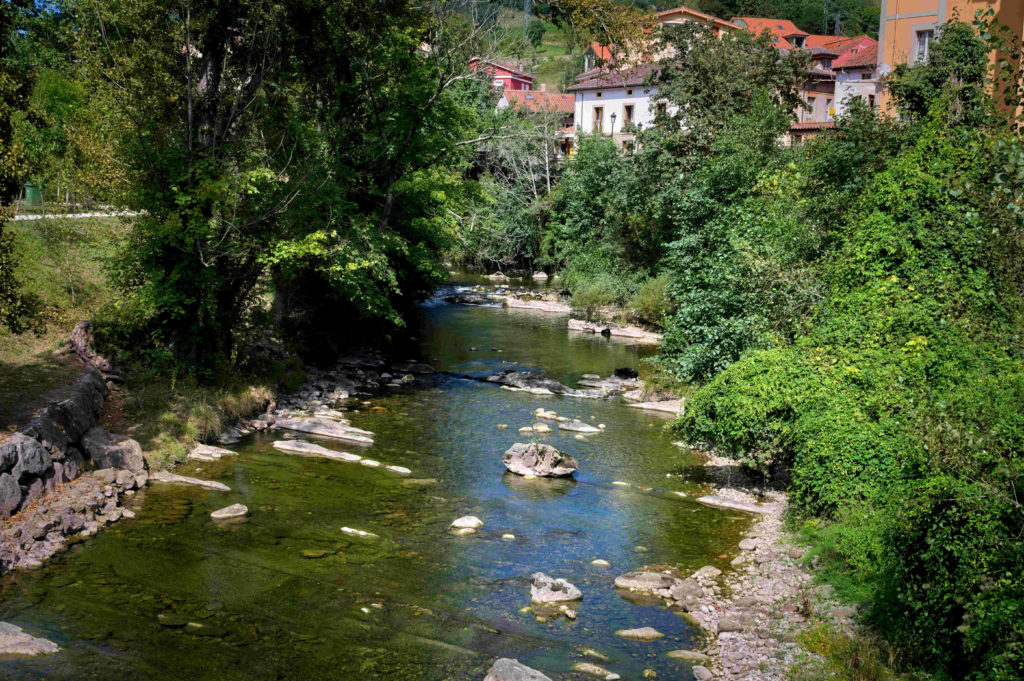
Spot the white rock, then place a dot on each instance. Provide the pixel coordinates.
(209, 453)
(14, 641)
(401, 470)
(508, 537)
(353, 532)
(174, 478)
(303, 448)
(600, 562)
(371, 463)
(641, 634)
(470, 522)
(230, 512)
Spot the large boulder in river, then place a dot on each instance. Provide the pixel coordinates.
(505, 669)
(539, 460)
(112, 451)
(545, 589)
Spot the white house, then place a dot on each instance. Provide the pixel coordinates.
(857, 77)
(617, 103)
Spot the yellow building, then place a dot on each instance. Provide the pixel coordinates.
(907, 27)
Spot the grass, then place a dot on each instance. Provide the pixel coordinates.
(169, 416)
(61, 262)
(842, 656)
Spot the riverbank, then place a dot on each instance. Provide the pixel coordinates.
(771, 620)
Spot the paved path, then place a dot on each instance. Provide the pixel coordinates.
(76, 215)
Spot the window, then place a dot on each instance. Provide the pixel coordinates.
(598, 119)
(597, 94)
(828, 107)
(811, 101)
(660, 109)
(797, 41)
(865, 76)
(924, 40)
(826, 63)
(871, 101)
(629, 93)
(627, 116)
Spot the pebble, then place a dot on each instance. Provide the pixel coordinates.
(600, 562)
(508, 537)
(640, 634)
(230, 512)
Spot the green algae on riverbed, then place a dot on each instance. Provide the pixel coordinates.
(287, 595)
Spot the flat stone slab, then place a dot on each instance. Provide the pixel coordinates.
(209, 453)
(732, 505)
(641, 634)
(326, 427)
(230, 512)
(666, 406)
(578, 426)
(539, 305)
(303, 448)
(505, 669)
(174, 478)
(14, 642)
(689, 656)
(646, 582)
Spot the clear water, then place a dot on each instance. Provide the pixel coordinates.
(286, 595)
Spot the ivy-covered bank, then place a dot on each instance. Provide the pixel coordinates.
(893, 394)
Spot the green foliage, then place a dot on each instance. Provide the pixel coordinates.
(535, 32)
(18, 309)
(955, 70)
(896, 402)
(651, 303)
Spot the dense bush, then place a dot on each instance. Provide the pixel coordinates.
(896, 404)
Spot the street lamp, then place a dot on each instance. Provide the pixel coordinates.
(613, 123)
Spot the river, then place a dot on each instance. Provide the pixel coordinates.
(285, 595)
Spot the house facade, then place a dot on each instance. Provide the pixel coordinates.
(505, 76)
(907, 28)
(857, 77)
(617, 104)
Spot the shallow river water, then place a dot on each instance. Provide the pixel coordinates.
(285, 595)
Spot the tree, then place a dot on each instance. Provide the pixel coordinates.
(17, 309)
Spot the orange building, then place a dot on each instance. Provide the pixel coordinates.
(907, 27)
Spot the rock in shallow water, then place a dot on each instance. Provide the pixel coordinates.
(15, 642)
(641, 634)
(165, 476)
(538, 460)
(646, 582)
(230, 512)
(467, 524)
(505, 669)
(303, 448)
(545, 589)
(325, 427)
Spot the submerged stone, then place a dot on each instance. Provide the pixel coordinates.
(545, 589)
(230, 512)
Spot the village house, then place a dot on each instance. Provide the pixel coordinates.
(505, 76)
(616, 102)
(857, 76)
(542, 101)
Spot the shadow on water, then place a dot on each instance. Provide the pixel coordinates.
(286, 595)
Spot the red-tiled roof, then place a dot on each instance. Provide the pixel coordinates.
(507, 66)
(537, 100)
(601, 51)
(780, 28)
(812, 125)
(862, 54)
(833, 42)
(628, 78)
(694, 15)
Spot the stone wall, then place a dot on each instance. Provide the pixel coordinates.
(48, 452)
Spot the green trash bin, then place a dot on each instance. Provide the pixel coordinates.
(33, 195)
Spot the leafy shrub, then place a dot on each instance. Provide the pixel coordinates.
(651, 303)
